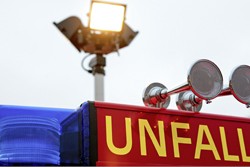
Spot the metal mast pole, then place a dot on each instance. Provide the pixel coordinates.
(97, 64)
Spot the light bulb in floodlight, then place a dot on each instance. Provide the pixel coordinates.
(107, 16)
(240, 84)
(205, 79)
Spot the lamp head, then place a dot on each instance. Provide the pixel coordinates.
(205, 79)
(239, 84)
(106, 16)
(83, 40)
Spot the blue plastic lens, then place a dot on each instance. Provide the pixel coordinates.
(29, 139)
(85, 132)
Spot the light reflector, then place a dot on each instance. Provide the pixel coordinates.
(107, 16)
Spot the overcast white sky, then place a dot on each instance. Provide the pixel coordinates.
(39, 66)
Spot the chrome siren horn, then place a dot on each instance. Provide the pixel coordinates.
(239, 85)
(204, 82)
(152, 96)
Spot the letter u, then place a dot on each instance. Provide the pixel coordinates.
(109, 137)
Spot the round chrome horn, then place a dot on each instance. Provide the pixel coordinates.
(204, 80)
(188, 101)
(239, 85)
(151, 96)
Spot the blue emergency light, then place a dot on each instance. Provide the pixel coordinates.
(43, 136)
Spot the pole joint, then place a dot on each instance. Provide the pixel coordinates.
(97, 64)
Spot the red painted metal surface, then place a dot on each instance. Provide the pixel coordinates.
(134, 135)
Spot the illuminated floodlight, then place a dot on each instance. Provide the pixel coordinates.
(106, 16)
(239, 84)
(204, 82)
(83, 40)
(106, 32)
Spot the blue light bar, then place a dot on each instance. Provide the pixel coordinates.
(84, 109)
(29, 139)
(31, 135)
(37, 136)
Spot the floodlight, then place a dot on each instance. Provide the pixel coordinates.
(239, 84)
(204, 80)
(84, 40)
(106, 33)
(106, 16)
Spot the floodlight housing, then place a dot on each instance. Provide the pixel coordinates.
(106, 16)
(73, 29)
(84, 40)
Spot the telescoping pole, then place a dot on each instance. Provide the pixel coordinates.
(97, 64)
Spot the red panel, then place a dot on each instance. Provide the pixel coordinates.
(199, 137)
